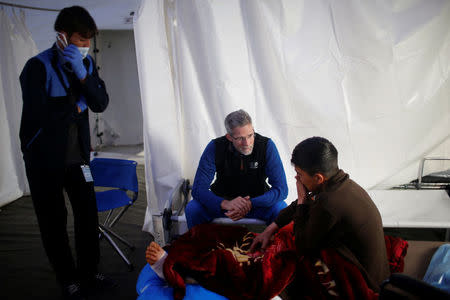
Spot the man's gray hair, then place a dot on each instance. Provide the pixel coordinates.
(237, 118)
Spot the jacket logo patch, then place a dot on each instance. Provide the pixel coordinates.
(253, 165)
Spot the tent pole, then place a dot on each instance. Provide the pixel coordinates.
(27, 7)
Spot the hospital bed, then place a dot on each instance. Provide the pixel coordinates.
(421, 203)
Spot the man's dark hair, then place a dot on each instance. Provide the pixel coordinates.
(76, 19)
(316, 155)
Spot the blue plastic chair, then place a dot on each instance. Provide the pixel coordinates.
(119, 176)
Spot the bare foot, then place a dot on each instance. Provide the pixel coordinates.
(153, 253)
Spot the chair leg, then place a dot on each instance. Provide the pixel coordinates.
(114, 245)
(124, 241)
(118, 216)
(105, 223)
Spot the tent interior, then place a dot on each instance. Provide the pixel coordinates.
(370, 76)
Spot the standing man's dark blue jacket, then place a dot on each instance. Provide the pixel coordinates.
(55, 142)
(52, 99)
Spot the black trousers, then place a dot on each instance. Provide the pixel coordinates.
(46, 187)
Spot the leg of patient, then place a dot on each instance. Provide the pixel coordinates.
(155, 256)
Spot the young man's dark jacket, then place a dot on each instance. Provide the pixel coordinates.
(50, 93)
(343, 217)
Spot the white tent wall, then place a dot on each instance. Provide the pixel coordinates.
(371, 76)
(16, 46)
(121, 123)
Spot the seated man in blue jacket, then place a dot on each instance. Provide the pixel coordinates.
(241, 162)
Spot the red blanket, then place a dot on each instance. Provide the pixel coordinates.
(396, 252)
(329, 276)
(216, 256)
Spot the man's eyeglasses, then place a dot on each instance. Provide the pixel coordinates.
(241, 139)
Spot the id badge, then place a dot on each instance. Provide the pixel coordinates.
(87, 173)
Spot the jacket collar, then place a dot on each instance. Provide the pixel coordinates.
(334, 182)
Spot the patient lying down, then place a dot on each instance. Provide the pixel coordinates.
(156, 256)
(217, 257)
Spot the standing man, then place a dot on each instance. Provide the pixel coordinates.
(331, 211)
(58, 86)
(241, 162)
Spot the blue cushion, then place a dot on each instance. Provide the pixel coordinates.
(438, 272)
(150, 287)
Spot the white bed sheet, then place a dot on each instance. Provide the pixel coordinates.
(413, 208)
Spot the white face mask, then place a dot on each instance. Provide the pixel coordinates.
(63, 41)
(84, 51)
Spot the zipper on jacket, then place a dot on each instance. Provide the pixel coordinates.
(33, 138)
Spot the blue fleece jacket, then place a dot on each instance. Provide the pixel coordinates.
(207, 169)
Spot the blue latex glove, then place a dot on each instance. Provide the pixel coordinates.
(73, 56)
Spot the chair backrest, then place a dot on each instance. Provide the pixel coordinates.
(118, 173)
